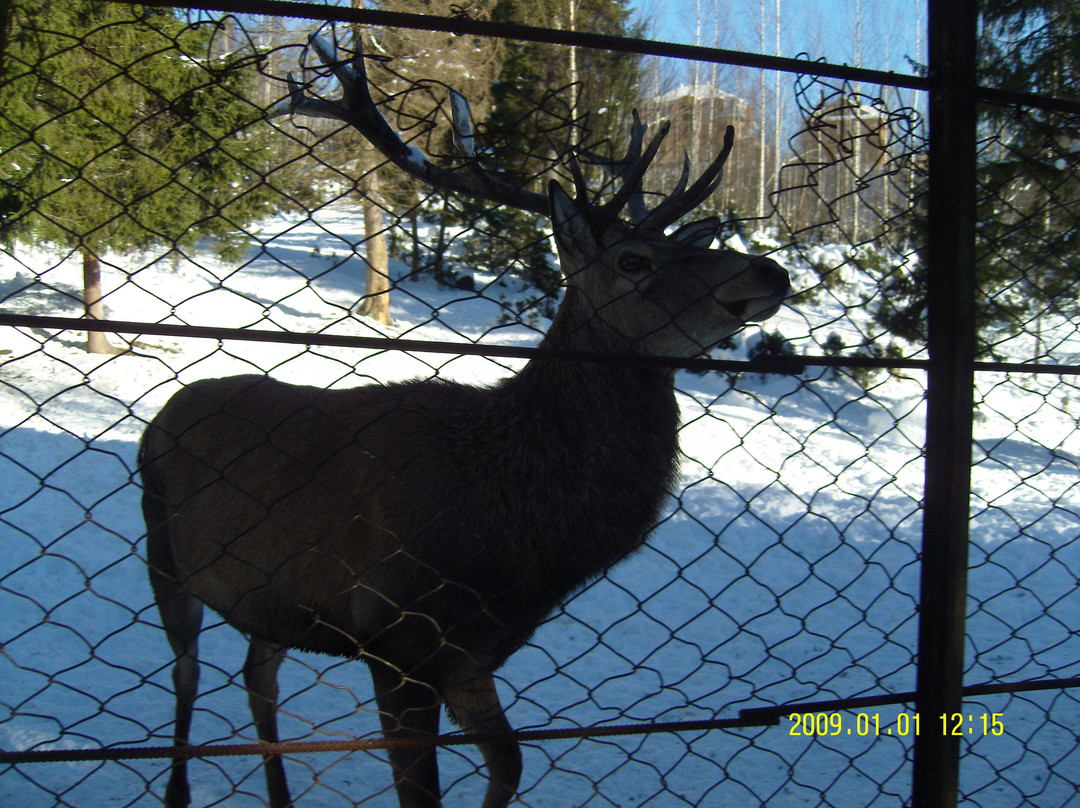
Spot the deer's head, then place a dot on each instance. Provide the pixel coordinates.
(638, 290)
(631, 286)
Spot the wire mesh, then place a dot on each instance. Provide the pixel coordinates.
(785, 569)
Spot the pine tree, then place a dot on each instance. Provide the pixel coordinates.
(555, 93)
(423, 65)
(548, 99)
(1028, 227)
(1030, 172)
(120, 133)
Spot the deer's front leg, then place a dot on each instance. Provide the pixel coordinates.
(409, 709)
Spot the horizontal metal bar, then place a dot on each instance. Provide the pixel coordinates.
(789, 365)
(357, 744)
(1012, 98)
(582, 39)
(753, 717)
(646, 47)
(1026, 367)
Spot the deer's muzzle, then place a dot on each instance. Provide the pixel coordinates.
(765, 287)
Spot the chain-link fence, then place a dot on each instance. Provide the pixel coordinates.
(763, 647)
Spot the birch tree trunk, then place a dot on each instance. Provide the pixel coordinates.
(761, 125)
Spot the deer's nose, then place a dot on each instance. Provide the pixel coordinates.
(774, 275)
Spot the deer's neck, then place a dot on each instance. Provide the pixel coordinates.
(587, 453)
(605, 412)
(578, 328)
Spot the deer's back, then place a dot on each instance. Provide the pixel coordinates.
(318, 517)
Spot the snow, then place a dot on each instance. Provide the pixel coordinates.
(416, 159)
(701, 92)
(785, 570)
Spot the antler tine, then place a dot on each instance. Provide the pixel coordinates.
(637, 138)
(357, 108)
(633, 175)
(461, 123)
(464, 139)
(635, 204)
(299, 103)
(679, 202)
(348, 74)
(581, 189)
(463, 136)
(680, 186)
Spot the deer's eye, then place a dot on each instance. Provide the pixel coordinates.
(633, 264)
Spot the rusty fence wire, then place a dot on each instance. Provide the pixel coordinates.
(770, 625)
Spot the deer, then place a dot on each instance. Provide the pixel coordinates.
(428, 527)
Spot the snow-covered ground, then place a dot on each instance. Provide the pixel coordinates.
(786, 569)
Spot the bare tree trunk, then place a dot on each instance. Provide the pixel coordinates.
(376, 302)
(437, 267)
(857, 178)
(762, 133)
(572, 25)
(414, 225)
(778, 113)
(695, 91)
(857, 128)
(95, 307)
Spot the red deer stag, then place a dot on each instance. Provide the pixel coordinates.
(429, 527)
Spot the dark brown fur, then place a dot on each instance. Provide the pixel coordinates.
(428, 527)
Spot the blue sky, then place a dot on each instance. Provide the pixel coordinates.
(878, 34)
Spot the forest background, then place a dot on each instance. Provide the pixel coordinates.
(815, 160)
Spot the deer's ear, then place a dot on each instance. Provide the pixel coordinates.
(572, 231)
(698, 234)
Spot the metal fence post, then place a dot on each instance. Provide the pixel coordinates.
(950, 392)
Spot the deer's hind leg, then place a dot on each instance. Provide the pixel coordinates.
(181, 617)
(260, 679)
(473, 704)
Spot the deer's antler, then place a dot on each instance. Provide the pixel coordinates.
(680, 202)
(357, 108)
